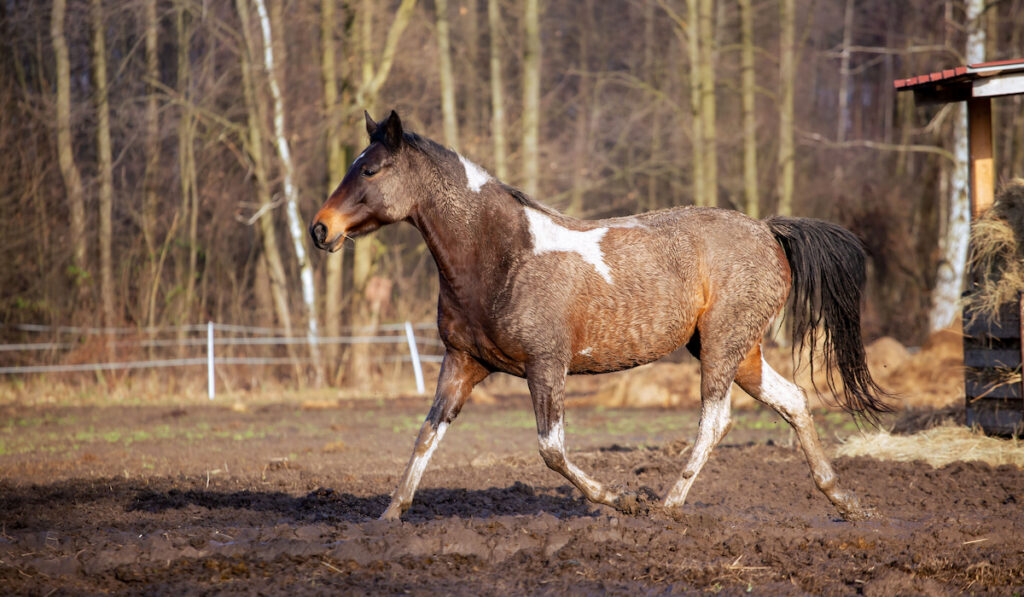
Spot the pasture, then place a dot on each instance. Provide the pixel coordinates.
(269, 494)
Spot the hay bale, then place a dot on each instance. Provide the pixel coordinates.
(997, 254)
(937, 446)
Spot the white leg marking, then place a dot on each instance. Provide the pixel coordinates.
(555, 440)
(780, 392)
(476, 177)
(550, 237)
(419, 462)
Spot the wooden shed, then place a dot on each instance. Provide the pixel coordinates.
(993, 351)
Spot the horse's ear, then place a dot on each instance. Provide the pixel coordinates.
(392, 130)
(371, 126)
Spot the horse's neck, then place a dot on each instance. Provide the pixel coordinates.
(469, 235)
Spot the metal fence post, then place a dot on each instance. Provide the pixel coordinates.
(209, 360)
(415, 354)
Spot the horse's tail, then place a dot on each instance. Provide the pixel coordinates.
(827, 265)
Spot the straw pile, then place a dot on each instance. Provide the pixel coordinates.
(997, 253)
(937, 446)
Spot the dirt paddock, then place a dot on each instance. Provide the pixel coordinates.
(274, 498)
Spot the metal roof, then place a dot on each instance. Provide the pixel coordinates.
(985, 79)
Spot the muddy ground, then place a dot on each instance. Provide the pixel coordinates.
(274, 498)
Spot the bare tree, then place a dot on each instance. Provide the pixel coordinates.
(103, 151)
(950, 279)
(296, 227)
(531, 97)
(497, 92)
(787, 89)
(747, 92)
(706, 73)
(65, 151)
(447, 79)
(335, 172)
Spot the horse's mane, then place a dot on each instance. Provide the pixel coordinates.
(441, 153)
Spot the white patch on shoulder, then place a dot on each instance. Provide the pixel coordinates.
(476, 176)
(551, 237)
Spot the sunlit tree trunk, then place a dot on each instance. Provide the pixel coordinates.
(787, 85)
(706, 34)
(335, 172)
(950, 279)
(375, 71)
(497, 92)
(531, 97)
(697, 133)
(105, 162)
(65, 154)
(748, 102)
(581, 141)
(147, 216)
(271, 253)
(447, 79)
(186, 157)
(296, 227)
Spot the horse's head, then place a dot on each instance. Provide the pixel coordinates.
(371, 195)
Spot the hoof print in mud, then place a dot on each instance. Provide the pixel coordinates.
(638, 503)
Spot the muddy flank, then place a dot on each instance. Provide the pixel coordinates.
(274, 498)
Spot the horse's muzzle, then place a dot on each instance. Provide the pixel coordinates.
(319, 233)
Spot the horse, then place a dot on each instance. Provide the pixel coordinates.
(531, 292)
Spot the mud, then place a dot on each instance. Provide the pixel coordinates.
(275, 499)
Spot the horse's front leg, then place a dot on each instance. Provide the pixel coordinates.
(459, 373)
(547, 389)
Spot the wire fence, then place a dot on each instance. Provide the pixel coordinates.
(209, 345)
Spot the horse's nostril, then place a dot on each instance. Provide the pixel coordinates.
(319, 233)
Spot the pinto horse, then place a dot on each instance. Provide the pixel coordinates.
(529, 291)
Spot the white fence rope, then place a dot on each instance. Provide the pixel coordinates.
(404, 333)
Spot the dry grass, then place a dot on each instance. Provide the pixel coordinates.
(997, 252)
(937, 446)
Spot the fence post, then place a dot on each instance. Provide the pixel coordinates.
(415, 354)
(209, 360)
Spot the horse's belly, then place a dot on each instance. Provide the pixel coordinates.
(614, 335)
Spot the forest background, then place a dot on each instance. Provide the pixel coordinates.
(162, 157)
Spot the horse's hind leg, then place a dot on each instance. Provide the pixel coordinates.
(762, 382)
(459, 373)
(547, 389)
(716, 375)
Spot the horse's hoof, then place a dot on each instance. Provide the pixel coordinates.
(392, 514)
(850, 509)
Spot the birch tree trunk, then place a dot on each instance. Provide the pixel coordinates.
(748, 102)
(296, 228)
(497, 92)
(65, 154)
(103, 151)
(447, 79)
(949, 282)
(271, 254)
(531, 97)
(787, 85)
(697, 133)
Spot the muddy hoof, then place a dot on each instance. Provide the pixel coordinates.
(850, 509)
(392, 514)
(638, 503)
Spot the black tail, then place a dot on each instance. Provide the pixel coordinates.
(827, 264)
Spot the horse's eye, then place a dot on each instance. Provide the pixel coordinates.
(369, 171)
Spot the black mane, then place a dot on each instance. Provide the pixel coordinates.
(441, 153)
